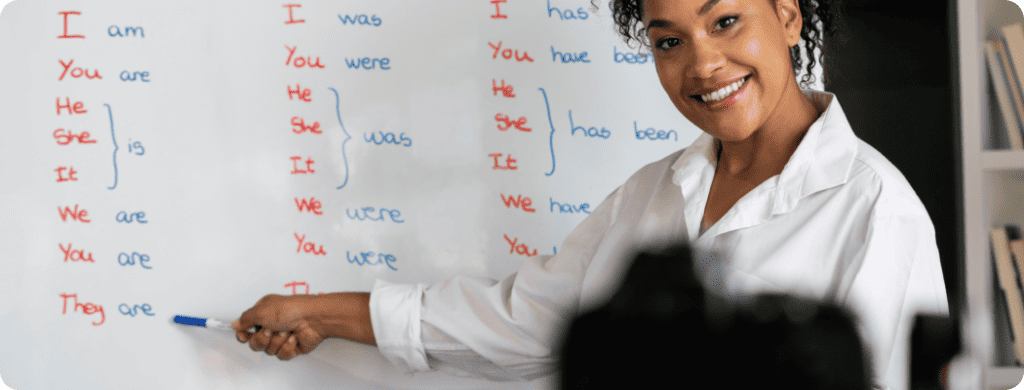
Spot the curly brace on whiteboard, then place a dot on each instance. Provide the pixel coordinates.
(778, 186)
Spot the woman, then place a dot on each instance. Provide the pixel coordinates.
(778, 186)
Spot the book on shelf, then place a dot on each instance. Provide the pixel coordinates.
(1009, 280)
(1007, 93)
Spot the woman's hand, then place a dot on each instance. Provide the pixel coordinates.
(284, 328)
(294, 325)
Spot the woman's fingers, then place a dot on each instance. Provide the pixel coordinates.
(289, 350)
(276, 341)
(259, 340)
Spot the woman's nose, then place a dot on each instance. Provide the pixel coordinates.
(705, 59)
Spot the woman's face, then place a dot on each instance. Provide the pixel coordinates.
(724, 63)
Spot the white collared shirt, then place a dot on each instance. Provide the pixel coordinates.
(838, 224)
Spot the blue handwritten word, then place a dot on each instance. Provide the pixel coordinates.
(363, 258)
(128, 218)
(568, 57)
(567, 14)
(133, 310)
(360, 19)
(115, 31)
(132, 76)
(630, 58)
(388, 138)
(653, 134)
(589, 132)
(368, 63)
(136, 147)
(564, 208)
(367, 211)
(125, 260)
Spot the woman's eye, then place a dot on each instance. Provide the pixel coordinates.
(666, 43)
(725, 22)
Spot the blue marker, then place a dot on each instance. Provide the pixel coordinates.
(207, 323)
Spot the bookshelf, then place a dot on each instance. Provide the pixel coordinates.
(993, 190)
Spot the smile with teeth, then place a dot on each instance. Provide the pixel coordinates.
(723, 93)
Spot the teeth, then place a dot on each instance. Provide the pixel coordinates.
(723, 93)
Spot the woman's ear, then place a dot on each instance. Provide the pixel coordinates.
(792, 22)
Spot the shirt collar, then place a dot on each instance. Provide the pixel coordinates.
(821, 161)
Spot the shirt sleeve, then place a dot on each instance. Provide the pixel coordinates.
(899, 276)
(497, 329)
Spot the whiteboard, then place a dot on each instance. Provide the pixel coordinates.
(241, 148)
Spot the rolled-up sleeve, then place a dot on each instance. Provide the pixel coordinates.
(499, 329)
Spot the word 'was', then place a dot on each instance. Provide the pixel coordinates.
(295, 165)
(65, 137)
(75, 254)
(309, 246)
(363, 258)
(87, 308)
(518, 201)
(77, 72)
(508, 162)
(362, 19)
(518, 123)
(521, 249)
(301, 61)
(388, 138)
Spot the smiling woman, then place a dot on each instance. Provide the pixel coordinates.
(778, 194)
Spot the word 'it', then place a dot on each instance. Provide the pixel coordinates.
(368, 63)
(142, 76)
(569, 57)
(654, 135)
(388, 138)
(497, 10)
(70, 177)
(126, 260)
(301, 61)
(590, 132)
(302, 94)
(87, 308)
(295, 165)
(115, 31)
(312, 205)
(309, 246)
(126, 217)
(295, 287)
(76, 214)
(508, 54)
(360, 19)
(518, 201)
(300, 126)
(630, 58)
(367, 213)
(77, 72)
(521, 249)
(76, 108)
(364, 258)
(291, 16)
(509, 162)
(75, 254)
(506, 90)
(567, 14)
(65, 137)
(131, 311)
(65, 35)
(568, 208)
(518, 123)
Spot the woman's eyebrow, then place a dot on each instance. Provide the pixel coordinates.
(703, 10)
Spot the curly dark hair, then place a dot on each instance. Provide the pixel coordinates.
(819, 16)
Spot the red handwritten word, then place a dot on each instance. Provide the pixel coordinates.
(75, 215)
(302, 94)
(71, 174)
(308, 247)
(518, 123)
(75, 254)
(300, 126)
(65, 35)
(508, 53)
(497, 10)
(87, 308)
(506, 90)
(295, 165)
(300, 61)
(78, 72)
(312, 205)
(508, 162)
(518, 201)
(78, 107)
(521, 249)
(296, 284)
(65, 137)
(292, 20)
